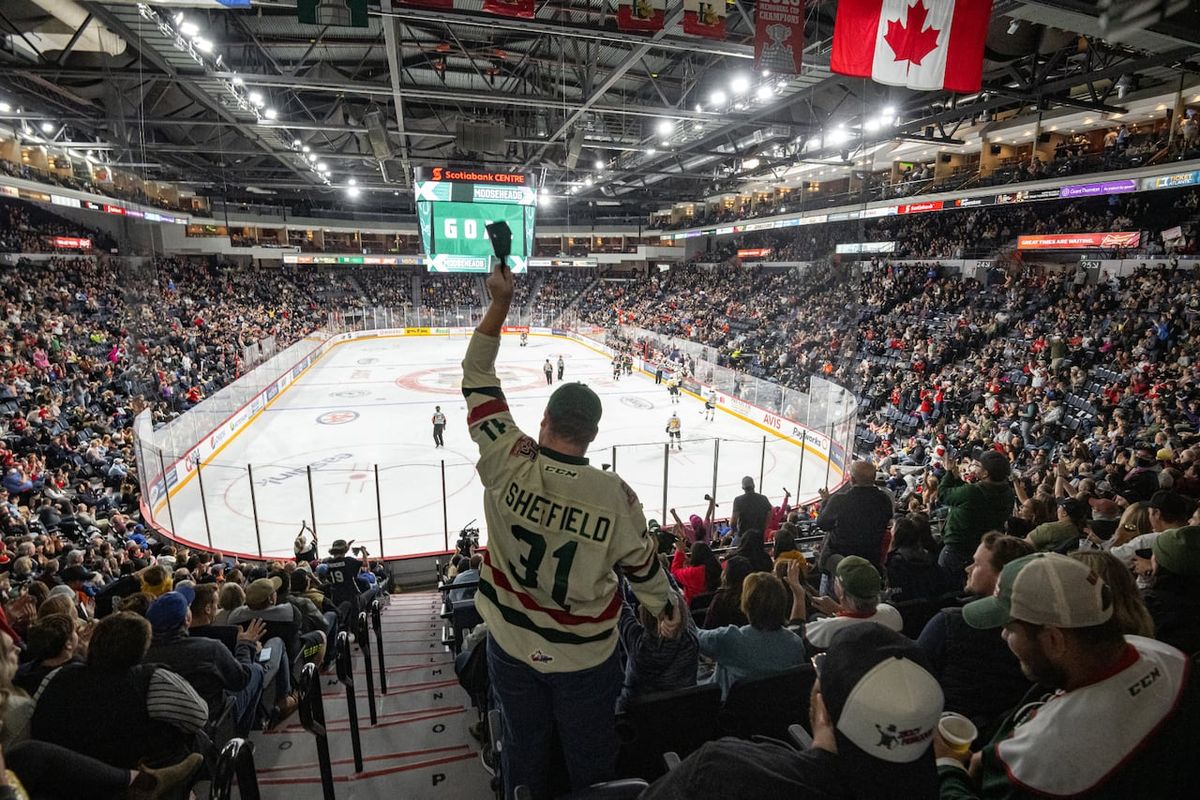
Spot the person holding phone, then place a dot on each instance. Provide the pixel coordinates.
(558, 530)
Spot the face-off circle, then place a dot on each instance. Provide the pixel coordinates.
(337, 417)
(349, 480)
(448, 380)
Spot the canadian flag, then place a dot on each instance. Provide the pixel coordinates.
(921, 44)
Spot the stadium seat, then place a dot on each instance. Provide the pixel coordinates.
(767, 706)
(678, 721)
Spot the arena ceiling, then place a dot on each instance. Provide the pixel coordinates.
(251, 106)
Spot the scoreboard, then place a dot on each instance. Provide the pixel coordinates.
(456, 204)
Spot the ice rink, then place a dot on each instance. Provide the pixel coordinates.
(362, 413)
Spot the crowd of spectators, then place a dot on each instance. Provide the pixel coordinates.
(441, 292)
(1024, 410)
(26, 228)
(108, 189)
(1124, 147)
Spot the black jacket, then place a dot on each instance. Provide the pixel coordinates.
(1174, 604)
(979, 675)
(205, 663)
(856, 519)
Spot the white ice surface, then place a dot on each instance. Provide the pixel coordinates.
(387, 389)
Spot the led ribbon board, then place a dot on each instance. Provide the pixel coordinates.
(455, 206)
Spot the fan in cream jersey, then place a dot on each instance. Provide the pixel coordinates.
(559, 532)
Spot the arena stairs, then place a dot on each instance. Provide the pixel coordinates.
(420, 746)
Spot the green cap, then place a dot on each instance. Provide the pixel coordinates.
(858, 577)
(1178, 550)
(575, 400)
(1044, 589)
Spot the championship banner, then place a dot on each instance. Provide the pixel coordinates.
(641, 15)
(779, 35)
(340, 13)
(524, 9)
(1080, 241)
(704, 18)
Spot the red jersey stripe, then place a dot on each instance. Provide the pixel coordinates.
(486, 410)
(556, 614)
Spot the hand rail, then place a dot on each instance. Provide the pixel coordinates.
(345, 673)
(236, 760)
(362, 632)
(312, 717)
(377, 624)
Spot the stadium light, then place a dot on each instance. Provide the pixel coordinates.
(312, 156)
(237, 80)
(872, 125)
(651, 151)
(352, 182)
(766, 73)
(765, 92)
(305, 148)
(322, 167)
(5, 108)
(188, 28)
(47, 127)
(740, 84)
(838, 135)
(888, 111)
(665, 127)
(353, 191)
(718, 98)
(750, 163)
(270, 113)
(256, 99)
(296, 143)
(599, 165)
(587, 181)
(203, 45)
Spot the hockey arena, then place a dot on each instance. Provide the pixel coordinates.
(599, 399)
(347, 448)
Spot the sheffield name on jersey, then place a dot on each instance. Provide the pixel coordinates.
(556, 528)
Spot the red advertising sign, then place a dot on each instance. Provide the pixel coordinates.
(114, 210)
(510, 8)
(779, 35)
(917, 208)
(754, 252)
(71, 243)
(1080, 241)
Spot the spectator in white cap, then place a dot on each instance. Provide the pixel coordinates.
(873, 712)
(1119, 711)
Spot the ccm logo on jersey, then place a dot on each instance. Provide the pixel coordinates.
(1146, 681)
(566, 473)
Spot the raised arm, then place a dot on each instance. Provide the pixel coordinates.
(500, 288)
